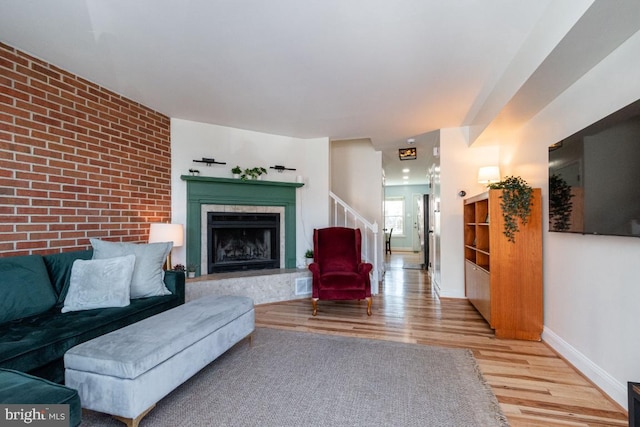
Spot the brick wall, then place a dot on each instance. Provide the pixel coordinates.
(76, 161)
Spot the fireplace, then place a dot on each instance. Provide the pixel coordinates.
(211, 194)
(242, 241)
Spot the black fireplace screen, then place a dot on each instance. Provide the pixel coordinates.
(243, 241)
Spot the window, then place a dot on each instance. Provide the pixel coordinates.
(394, 215)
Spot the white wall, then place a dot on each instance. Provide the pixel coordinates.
(356, 176)
(591, 283)
(310, 157)
(459, 166)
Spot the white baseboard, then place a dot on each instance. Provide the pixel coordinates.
(612, 387)
(444, 293)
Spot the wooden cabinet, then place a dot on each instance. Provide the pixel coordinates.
(503, 280)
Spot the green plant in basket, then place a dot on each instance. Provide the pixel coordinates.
(516, 203)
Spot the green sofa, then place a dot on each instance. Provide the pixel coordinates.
(38, 334)
(17, 388)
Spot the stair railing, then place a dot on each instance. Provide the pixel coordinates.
(345, 216)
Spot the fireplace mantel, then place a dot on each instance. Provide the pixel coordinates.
(228, 191)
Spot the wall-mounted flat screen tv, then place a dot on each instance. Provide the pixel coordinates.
(594, 177)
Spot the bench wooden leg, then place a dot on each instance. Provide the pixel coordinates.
(134, 422)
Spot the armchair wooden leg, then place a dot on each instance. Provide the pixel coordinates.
(369, 301)
(314, 305)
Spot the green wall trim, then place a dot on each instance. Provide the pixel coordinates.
(228, 191)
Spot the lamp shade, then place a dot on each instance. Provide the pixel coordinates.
(488, 174)
(163, 232)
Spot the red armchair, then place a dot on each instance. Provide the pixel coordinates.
(338, 270)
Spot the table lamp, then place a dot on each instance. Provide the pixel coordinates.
(165, 232)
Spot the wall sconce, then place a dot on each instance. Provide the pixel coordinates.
(280, 168)
(408, 153)
(209, 161)
(488, 174)
(164, 232)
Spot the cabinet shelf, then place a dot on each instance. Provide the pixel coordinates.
(503, 280)
(484, 267)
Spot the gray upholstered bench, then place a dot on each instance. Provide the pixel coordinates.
(126, 372)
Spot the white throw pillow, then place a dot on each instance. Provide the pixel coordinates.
(148, 276)
(99, 283)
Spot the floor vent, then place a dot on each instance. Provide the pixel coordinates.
(303, 285)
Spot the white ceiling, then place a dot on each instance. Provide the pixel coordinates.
(379, 69)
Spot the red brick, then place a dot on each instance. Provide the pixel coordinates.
(36, 244)
(32, 193)
(11, 219)
(15, 166)
(45, 70)
(13, 237)
(62, 85)
(74, 112)
(92, 163)
(13, 111)
(7, 210)
(45, 202)
(12, 55)
(46, 105)
(62, 227)
(45, 87)
(75, 82)
(30, 124)
(31, 90)
(59, 195)
(13, 201)
(13, 93)
(74, 128)
(60, 100)
(45, 136)
(13, 129)
(28, 228)
(72, 234)
(67, 134)
(33, 74)
(43, 169)
(44, 236)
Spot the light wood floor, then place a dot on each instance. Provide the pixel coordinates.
(534, 386)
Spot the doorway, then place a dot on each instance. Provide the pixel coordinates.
(420, 221)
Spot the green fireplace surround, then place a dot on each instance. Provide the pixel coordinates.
(202, 190)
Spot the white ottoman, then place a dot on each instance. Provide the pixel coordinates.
(125, 372)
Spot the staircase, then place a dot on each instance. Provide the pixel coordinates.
(345, 216)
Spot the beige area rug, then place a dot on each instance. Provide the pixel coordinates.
(303, 379)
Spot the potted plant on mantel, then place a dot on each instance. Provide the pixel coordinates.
(236, 172)
(515, 203)
(253, 173)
